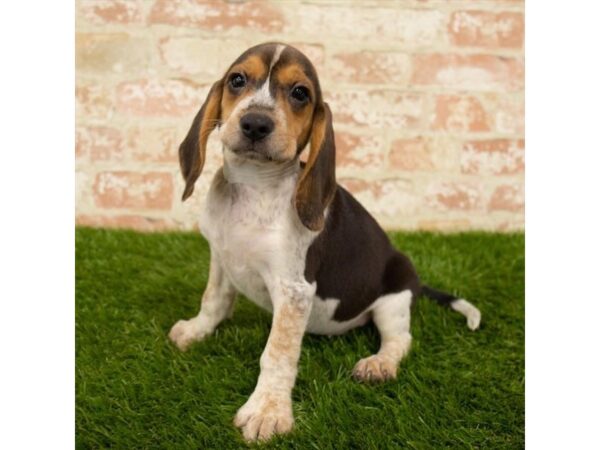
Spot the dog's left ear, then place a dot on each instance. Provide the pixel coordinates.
(316, 185)
(192, 151)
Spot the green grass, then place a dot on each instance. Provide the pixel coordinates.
(457, 388)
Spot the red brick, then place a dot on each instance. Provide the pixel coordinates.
(390, 198)
(99, 143)
(94, 101)
(191, 55)
(139, 143)
(510, 225)
(148, 144)
(83, 188)
(160, 97)
(218, 15)
(509, 197)
(100, 53)
(410, 154)
(206, 58)
(378, 108)
(139, 223)
(493, 157)
(487, 29)
(448, 196)
(112, 11)
(459, 113)
(355, 185)
(469, 72)
(122, 189)
(371, 67)
(444, 225)
(314, 52)
(359, 152)
(508, 113)
(357, 23)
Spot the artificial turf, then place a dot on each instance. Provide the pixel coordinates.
(456, 389)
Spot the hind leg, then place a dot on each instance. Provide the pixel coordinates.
(391, 315)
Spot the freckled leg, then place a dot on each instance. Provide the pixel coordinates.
(269, 409)
(392, 319)
(217, 304)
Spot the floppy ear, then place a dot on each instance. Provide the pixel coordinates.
(316, 184)
(192, 151)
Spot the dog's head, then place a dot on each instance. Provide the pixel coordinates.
(268, 106)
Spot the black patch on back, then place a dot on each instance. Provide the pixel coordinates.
(353, 261)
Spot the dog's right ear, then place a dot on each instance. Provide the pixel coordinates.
(316, 185)
(192, 151)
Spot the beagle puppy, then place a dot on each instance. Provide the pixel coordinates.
(285, 235)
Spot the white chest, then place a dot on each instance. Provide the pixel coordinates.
(255, 234)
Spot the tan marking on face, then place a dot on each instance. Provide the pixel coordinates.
(292, 121)
(298, 121)
(230, 101)
(255, 69)
(253, 66)
(293, 74)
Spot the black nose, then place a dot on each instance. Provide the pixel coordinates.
(256, 126)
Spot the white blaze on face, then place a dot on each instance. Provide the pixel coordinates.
(263, 97)
(262, 101)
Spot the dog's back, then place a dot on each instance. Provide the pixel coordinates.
(353, 261)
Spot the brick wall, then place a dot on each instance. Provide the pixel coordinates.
(427, 99)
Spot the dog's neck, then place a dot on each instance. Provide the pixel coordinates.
(239, 170)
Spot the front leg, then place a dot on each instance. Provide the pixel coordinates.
(269, 408)
(217, 304)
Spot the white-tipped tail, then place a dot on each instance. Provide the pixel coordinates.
(472, 314)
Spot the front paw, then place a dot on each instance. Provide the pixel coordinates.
(186, 332)
(375, 368)
(265, 415)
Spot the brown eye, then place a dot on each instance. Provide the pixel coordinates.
(237, 81)
(300, 94)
